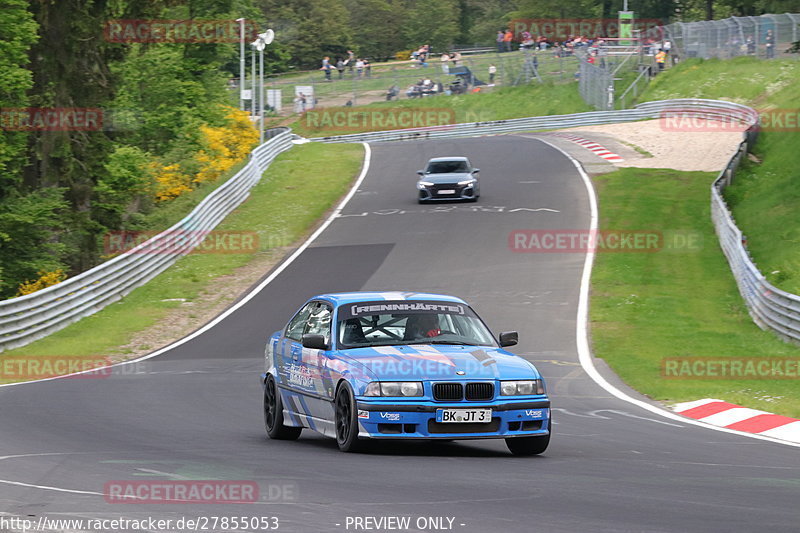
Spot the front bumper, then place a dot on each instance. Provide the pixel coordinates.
(518, 418)
(434, 194)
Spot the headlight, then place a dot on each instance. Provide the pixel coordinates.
(521, 388)
(467, 182)
(394, 388)
(423, 184)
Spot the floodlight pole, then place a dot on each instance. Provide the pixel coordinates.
(261, 93)
(241, 63)
(253, 84)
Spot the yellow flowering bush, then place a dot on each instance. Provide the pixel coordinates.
(46, 279)
(171, 182)
(225, 146)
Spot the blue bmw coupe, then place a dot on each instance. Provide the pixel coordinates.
(400, 365)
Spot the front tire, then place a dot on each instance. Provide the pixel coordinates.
(529, 445)
(346, 420)
(273, 414)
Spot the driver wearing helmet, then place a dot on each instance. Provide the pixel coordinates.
(428, 326)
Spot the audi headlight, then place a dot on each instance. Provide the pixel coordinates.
(467, 182)
(423, 184)
(521, 388)
(394, 388)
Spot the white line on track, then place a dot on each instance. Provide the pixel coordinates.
(582, 328)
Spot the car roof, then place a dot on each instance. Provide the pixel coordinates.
(343, 298)
(454, 158)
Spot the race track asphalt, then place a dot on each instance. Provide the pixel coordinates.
(195, 412)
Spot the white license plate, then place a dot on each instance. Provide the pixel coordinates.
(447, 191)
(464, 416)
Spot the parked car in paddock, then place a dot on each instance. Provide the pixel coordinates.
(397, 365)
(448, 178)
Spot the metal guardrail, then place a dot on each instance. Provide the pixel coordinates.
(770, 307)
(648, 110)
(31, 317)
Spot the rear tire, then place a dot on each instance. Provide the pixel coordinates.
(529, 445)
(346, 420)
(273, 414)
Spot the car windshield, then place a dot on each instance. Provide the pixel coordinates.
(447, 167)
(410, 322)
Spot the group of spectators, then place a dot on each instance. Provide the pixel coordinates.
(361, 67)
(749, 46)
(505, 38)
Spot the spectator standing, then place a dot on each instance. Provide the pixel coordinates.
(661, 57)
(500, 41)
(327, 67)
(340, 67)
(300, 103)
(444, 59)
(492, 72)
(351, 60)
(769, 40)
(359, 67)
(507, 38)
(456, 57)
(751, 45)
(367, 68)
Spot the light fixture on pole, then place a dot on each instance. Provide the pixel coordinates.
(263, 40)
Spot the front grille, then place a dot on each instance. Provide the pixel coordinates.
(448, 391)
(445, 187)
(443, 427)
(480, 391)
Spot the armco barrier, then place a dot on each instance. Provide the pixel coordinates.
(31, 317)
(648, 110)
(770, 307)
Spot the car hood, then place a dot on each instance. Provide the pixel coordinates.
(440, 362)
(450, 177)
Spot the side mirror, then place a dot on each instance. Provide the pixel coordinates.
(474, 170)
(315, 342)
(507, 338)
(421, 173)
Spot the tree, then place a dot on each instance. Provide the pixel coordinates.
(434, 23)
(376, 27)
(17, 34)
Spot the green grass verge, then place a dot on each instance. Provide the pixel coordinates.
(281, 209)
(766, 188)
(646, 307)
